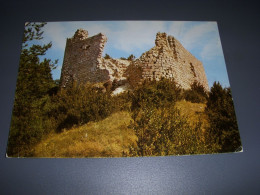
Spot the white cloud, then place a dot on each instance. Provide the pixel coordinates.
(176, 29)
(58, 32)
(93, 27)
(130, 36)
(212, 49)
(55, 32)
(192, 34)
(202, 37)
(136, 35)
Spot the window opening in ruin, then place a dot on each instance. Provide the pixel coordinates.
(85, 47)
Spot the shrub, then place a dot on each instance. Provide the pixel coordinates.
(159, 126)
(107, 56)
(80, 104)
(155, 94)
(166, 132)
(131, 57)
(196, 94)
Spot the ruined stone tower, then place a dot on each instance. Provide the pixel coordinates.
(83, 62)
(169, 59)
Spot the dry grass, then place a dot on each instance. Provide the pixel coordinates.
(107, 138)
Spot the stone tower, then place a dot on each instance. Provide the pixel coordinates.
(83, 62)
(82, 59)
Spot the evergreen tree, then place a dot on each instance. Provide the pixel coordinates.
(80, 104)
(34, 84)
(196, 94)
(221, 113)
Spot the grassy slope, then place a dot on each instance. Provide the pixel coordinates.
(107, 138)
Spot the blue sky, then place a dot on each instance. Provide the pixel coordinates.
(135, 37)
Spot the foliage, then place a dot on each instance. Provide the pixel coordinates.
(107, 56)
(162, 123)
(131, 57)
(34, 84)
(80, 104)
(196, 94)
(122, 102)
(156, 94)
(222, 118)
(165, 131)
(160, 127)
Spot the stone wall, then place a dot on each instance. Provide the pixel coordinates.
(83, 62)
(169, 59)
(82, 58)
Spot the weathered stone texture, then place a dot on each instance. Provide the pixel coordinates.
(83, 62)
(83, 58)
(169, 59)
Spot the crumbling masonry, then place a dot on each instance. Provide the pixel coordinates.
(83, 62)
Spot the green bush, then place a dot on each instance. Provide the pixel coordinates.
(156, 94)
(80, 104)
(196, 94)
(107, 56)
(165, 131)
(159, 126)
(131, 57)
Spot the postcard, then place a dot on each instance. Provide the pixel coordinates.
(122, 89)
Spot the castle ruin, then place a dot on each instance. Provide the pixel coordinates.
(83, 62)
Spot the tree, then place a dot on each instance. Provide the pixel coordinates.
(79, 104)
(107, 56)
(131, 57)
(196, 94)
(34, 82)
(223, 123)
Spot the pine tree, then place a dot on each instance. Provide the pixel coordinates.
(34, 83)
(221, 113)
(196, 94)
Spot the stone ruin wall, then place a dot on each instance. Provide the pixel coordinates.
(83, 62)
(169, 59)
(191, 65)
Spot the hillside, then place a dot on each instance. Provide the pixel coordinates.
(107, 138)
